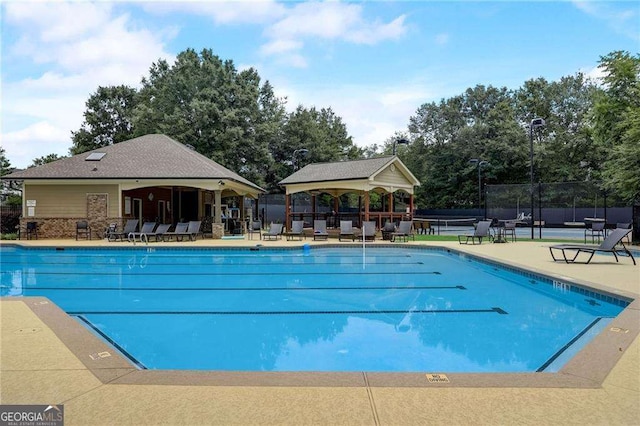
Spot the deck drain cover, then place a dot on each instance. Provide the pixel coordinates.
(28, 330)
(437, 378)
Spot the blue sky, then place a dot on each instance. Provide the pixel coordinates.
(374, 63)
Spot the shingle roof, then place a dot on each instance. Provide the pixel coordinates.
(342, 170)
(147, 157)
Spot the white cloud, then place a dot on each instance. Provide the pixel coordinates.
(329, 21)
(37, 140)
(223, 12)
(371, 114)
(78, 46)
(619, 18)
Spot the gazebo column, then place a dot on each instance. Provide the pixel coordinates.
(287, 211)
(390, 207)
(366, 205)
(313, 208)
(411, 206)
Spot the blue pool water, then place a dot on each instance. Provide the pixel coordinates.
(321, 309)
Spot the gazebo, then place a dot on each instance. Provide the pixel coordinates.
(384, 175)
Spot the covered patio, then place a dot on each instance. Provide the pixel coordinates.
(385, 176)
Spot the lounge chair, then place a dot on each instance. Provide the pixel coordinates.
(482, 231)
(346, 230)
(194, 230)
(625, 225)
(320, 230)
(129, 227)
(368, 231)
(147, 228)
(274, 232)
(159, 232)
(596, 230)
(297, 230)
(83, 229)
(404, 231)
(609, 245)
(388, 229)
(179, 233)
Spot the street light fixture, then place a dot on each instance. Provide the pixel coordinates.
(535, 123)
(401, 141)
(303, 153)
(479, 164)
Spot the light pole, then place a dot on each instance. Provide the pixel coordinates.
(479, 163)
(303, 153)
(535, 123)
(401, 141)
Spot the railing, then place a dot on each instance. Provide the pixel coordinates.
(333, 220)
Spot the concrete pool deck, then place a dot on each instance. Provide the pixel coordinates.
(43, 360)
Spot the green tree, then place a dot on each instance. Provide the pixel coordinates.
(107, 119)
(5, 164)
(616, 116)
(205, 102)
(45, 159)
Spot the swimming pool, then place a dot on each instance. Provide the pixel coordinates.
(321, 309)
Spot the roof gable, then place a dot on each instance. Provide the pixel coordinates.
(347, 170)
(152, 156)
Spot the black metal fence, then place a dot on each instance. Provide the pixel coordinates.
(557, 204)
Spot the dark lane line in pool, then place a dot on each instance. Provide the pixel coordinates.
(457, 287)
(568, 345)
(112, 342)
(399, 311)
(272, 273)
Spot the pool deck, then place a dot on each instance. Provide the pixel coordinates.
(43, 361)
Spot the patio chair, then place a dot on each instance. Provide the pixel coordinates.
(609, 245)
(297, 230)
(274, 232)
(110, 231)
(346, 230)
(596, 230)
(404, 231)
(83, 229)
(482, 231)
(368, 231)
(179, 232)
(388, 229)
(32, 230)
(147, 228)
(320, 230)
(129, 227)
(509, 229)
(255, 228)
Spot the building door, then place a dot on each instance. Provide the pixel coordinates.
(162, 212)
(137, 210)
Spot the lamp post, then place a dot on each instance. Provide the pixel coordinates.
(400, 141)
(535, 123)
(479, 163)
(303, 153)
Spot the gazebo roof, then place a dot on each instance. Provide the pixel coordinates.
(387, 173)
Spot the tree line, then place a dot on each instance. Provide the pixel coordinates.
(591, 130)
